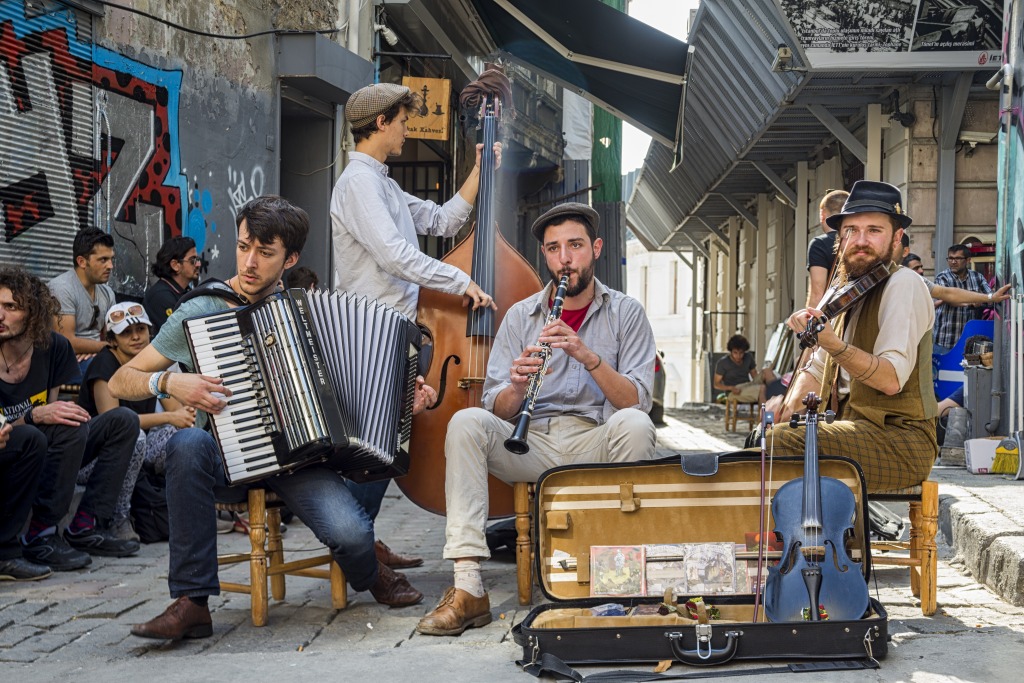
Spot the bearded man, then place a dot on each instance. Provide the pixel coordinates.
(876, 355)
(591, 407)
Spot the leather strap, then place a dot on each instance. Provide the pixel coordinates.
(550, 664)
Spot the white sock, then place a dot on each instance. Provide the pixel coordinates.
(467, 577)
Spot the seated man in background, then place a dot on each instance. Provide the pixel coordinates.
(302, 278)
(176, 268)
(84, 296)
(40, 360)
(737, 375)
(591, 407)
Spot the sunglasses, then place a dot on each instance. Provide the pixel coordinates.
(194, 260)
(95, 317)
(121, 313)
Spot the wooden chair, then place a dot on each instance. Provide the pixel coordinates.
(921, 554)
(732, 406)
(522, 495)
(266, 558)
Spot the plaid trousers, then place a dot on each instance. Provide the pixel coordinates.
(898, 456)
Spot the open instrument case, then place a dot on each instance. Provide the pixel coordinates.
(692, 499)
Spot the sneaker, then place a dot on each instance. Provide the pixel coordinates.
(20, 569)
(123, 529)
(99, 541)
(225, 526)
(54, 552)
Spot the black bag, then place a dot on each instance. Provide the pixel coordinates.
(149, 507)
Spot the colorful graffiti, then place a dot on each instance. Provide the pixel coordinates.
(107, 146)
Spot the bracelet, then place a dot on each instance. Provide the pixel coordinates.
(154, 384)
(990, 297)
(162, 385)
(596, 365)
(841, 351)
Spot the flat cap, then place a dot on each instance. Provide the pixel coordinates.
(367, 103)
(575, 209)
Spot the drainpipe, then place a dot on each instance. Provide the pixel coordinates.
(996, 406)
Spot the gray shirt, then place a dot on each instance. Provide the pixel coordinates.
(75, 301)
(616, 328)
(375, 223)
(171, 341)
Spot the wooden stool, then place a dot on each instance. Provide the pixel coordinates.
(732, 413)
(266, 559)
(522, 496)
(922, 555)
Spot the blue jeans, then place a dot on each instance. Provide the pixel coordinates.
(108, 439)
(369, 495)
(317, 495)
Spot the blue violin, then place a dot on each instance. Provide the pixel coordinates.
(815, 569)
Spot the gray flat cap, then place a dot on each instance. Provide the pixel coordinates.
(367, 103)
(583, 211)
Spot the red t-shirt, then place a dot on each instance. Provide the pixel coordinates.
(573, 318)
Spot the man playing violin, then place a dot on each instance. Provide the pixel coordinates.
(872, 361)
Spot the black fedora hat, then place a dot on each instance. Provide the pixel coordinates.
(575, 209)
(872, 196)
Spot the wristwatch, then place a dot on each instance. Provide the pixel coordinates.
(28, 416)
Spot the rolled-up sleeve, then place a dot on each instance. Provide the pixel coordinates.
(905, 315)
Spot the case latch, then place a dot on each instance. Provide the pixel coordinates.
(703, 640)
(627, 503)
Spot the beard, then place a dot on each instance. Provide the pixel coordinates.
(583, 279)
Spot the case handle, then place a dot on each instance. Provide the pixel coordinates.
(704, 655)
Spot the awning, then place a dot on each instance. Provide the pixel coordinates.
(318, 66)
(619, 63)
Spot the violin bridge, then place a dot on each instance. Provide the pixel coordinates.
(813, 551)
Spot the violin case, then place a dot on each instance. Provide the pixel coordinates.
(707, 498)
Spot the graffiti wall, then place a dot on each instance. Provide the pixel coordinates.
(96, 131)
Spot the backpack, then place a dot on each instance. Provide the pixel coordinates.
(149, 507)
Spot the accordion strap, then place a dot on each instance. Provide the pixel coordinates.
(213, 287)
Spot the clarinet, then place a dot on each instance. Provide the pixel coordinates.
(517, 442)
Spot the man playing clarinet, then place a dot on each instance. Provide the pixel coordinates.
(271, 234)
(590, 407)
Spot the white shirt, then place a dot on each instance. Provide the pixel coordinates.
(374, 229)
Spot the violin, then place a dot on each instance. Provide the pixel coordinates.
(839, 300)
(815, 569)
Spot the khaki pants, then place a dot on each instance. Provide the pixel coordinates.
(475, 446)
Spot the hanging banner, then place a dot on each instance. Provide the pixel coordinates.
(898, 34)
(432, 121)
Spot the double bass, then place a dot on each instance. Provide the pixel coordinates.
(462, 337)
(813, 517)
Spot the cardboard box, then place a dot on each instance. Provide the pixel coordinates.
(979, 454)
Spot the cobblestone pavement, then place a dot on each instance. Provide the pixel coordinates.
(75, 625)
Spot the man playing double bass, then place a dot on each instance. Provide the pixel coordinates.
(876, 355)
(374, 229)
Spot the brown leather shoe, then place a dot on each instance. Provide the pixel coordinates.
(386, 555)
(457, 611)
(393, 590)
(182, 619)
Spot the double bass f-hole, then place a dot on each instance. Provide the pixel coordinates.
(442, 385)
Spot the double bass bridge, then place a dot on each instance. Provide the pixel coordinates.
(467, 382)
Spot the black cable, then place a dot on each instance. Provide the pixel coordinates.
(206, 34)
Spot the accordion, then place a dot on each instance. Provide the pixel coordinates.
(315, 377)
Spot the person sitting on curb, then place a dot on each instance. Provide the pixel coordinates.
(127, 334)
(36, 362)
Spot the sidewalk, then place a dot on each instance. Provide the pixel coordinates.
(75, 625)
